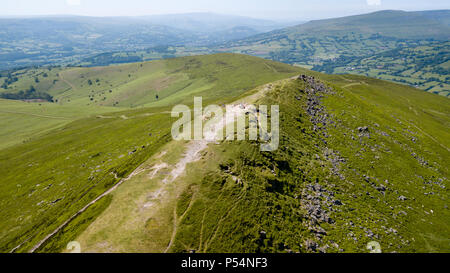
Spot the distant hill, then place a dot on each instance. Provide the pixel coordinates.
(390, 23)
(441, 16)
(66, 39)
(38, 41)
(211, 22)
(339, 44)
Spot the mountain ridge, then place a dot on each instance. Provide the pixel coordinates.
(372, 129)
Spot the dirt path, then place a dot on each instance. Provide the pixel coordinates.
(213, 237)
(354, 84)
(430, 136)
(195, 147)
(271, 68)
(177, 220)
(67, 82)
(192, 154)
(174, 232)
(420, 130)
(136, 172)
(34, 115)
(345, 79)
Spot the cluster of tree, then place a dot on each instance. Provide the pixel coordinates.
(29, 94)
(9, 80)
(161, 49)
(111, 58)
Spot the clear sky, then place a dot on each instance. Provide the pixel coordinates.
(271, 9)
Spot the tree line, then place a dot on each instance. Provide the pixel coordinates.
(29, 94)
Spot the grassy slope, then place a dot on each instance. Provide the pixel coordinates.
(271, 197)
(238, 199)
(235, 192)
(418, 65)
(48, 178)
(137, 84)
(21, 121)
(213, 77)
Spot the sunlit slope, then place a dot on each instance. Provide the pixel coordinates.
(366, 162)
(47, 179)
(363, 162)
(408, 25)
(82, 92)
(21, 121)
(64, 165)
(155, 83)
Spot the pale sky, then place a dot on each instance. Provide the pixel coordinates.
(270, 9)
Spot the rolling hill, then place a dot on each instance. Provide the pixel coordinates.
(343, 45)
(81, 92)
(68, 39)
(58, 157)
(49, 40)
(359, 160)
(205, 22)
(408, 25)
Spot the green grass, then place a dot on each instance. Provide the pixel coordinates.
(270, 194)
(57, 157)
(236, 198)
(139, 84)
(21, 121)
(116, 88)
(49, 178)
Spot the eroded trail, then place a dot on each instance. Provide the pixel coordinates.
(145, 206)
(193, 154)
(137, 171)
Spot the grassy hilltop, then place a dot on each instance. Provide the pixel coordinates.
(81, 92)
(360, 160)
(57, 157)
(359, 169)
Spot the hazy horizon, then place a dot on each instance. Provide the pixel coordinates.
(262, 9)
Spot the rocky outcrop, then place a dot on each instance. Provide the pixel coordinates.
(318, 200)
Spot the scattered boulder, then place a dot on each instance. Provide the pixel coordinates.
(364, 131)
(311, 245)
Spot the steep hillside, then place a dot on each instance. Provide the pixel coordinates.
(58, 157)
(351, 169)
(343, 45)
(360, 160)
(80, 92)
(156, 83)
